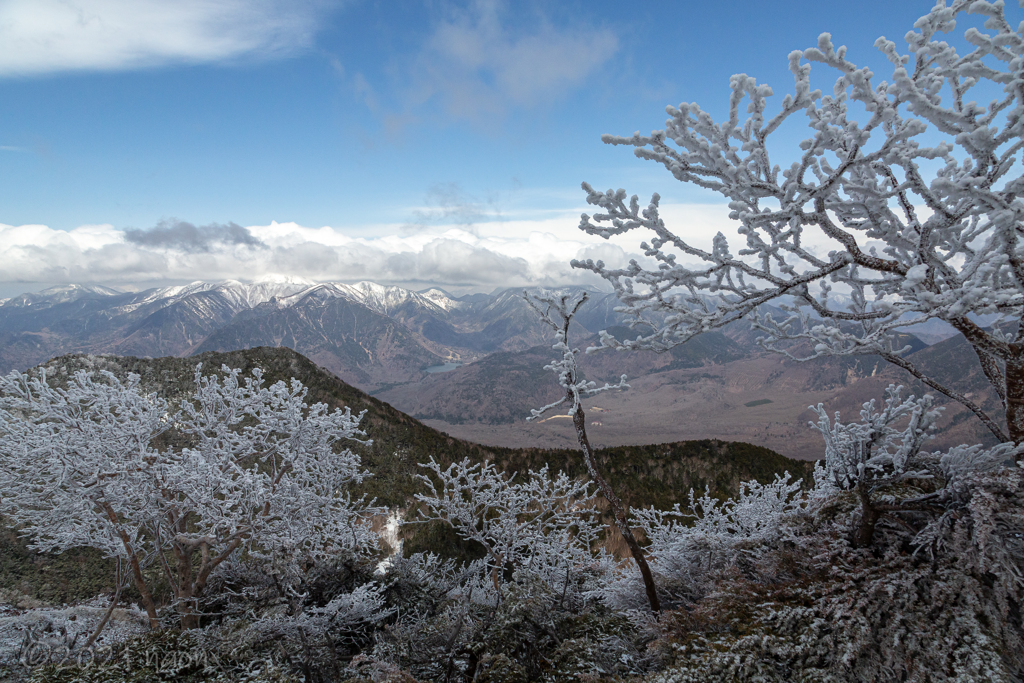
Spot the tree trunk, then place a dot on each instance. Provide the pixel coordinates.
(864, 534)
(189, 620)
(579, 420)
(1015, 393)
(568, 377)
(133, 562)
(185, 596)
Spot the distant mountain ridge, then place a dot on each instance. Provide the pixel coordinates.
(385, 339)
(371, 334)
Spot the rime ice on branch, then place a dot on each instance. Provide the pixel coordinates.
(558, 312)
(543, 525)
(884, 450)
(262, 473)
(919, 200)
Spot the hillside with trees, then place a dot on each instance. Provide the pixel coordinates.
(390, 447)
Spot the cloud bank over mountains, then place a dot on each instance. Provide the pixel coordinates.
(446, 249)
(461, 257)
(480, 258)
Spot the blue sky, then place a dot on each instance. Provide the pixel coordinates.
(453, 133)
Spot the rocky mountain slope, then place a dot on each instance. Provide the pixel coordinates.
(371, 334)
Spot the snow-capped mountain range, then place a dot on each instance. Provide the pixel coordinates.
(284, 291)
(390, 341)
(383, 299)
(367, 333)
(370, 334)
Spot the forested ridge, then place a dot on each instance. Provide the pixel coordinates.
(657, 475)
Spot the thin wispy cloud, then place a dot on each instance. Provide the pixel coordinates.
(477, 64)
(48, 36)
(447, 203)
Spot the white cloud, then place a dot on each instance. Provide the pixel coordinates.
(445, 256)
(486, 255)
(45, 36)
(477, 66)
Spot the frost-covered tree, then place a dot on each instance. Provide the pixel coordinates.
(542, 525)
(883, 451)
(260, 472)
(557, 311)
(688, 546)
(914, 183)
(775, 591)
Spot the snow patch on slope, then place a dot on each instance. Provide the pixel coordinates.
(440, 298)
(383, 299)
(283, 291)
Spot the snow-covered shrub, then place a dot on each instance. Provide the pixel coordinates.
(428, 573)
(318, 638)
(260, 473)
(788, 592)
(311, 621)
(534, 634)
(171, 656)
(880, 459)
(690, 549)
(45, 635)
(541, 526)
(849, 616)
(525, 610)
(775, 585)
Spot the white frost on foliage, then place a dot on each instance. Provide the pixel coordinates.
(687, 545)
(924, 139)
(48, 634)
(362, 607)
(754, 515)
(263, 473)
(541, 525)
(875, 450)
(884, 448)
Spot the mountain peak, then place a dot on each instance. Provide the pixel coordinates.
(91, 289)
(442, 298)
(59, 294)
(280, 279)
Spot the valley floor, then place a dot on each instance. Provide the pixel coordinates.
(747, 400)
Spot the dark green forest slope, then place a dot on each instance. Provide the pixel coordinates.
(659, 475)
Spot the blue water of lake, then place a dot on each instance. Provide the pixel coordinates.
(447, 367)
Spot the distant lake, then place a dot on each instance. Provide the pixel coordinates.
(447, 367)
